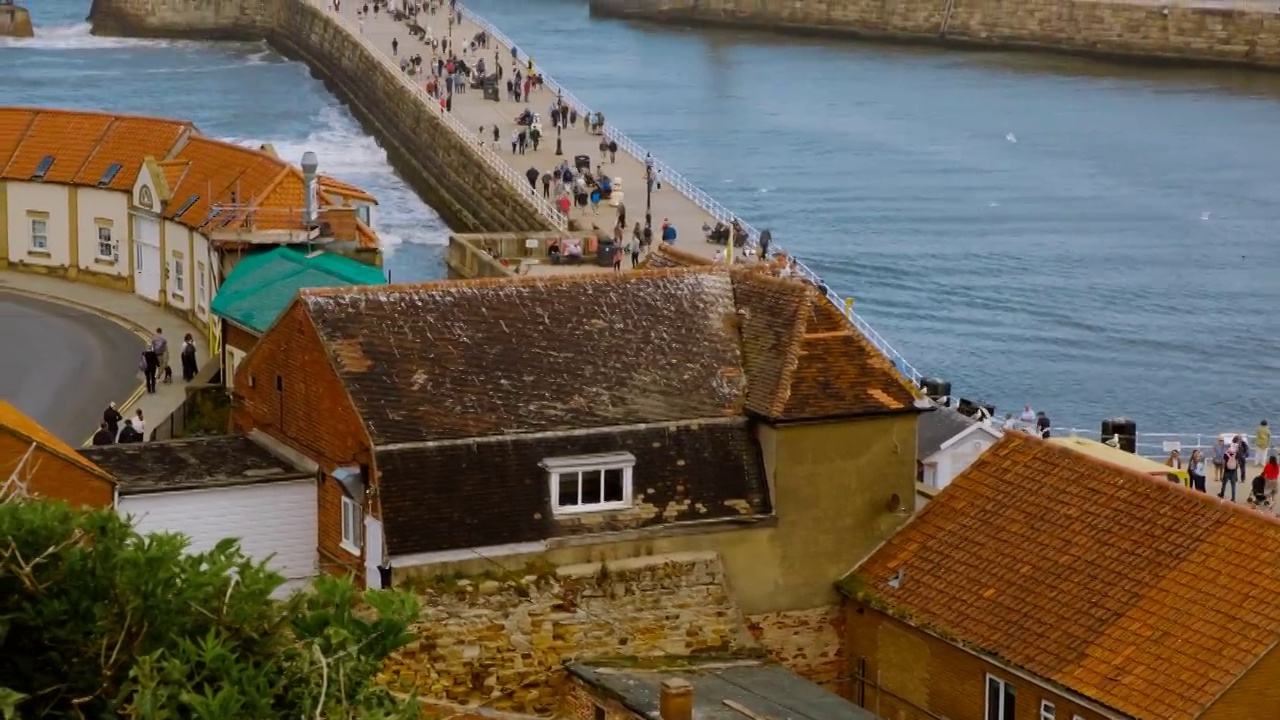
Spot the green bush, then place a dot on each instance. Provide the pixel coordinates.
(97, 621)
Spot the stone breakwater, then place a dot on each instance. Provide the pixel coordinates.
(1243, 33)
(440, 162)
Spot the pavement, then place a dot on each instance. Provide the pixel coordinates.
(475, 112)
(71, 348)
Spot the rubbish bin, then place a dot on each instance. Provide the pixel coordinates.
(491, 91)
(604, 252)
(582, 162)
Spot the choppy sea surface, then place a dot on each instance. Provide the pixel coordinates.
(1091, 239)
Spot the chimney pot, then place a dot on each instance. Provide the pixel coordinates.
(676, 700)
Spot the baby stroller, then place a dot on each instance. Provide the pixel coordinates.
(1258, 493)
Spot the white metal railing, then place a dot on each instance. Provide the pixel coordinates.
(491, 158)
(1157, 446)
(721, 213)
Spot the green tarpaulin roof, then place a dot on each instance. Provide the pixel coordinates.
(261, 286)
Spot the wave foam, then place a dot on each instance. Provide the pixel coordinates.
(347, 153)
(80, 37)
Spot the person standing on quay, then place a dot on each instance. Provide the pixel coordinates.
(111, 418)
(149, 365)
(189, 365)
(1262, 440)
(1196, 469)
(1231, 470)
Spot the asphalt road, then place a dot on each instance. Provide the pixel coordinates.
(62, 366)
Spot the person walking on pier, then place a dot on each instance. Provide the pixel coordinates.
(532, 175)
(1219, 459)
(1231, 470)
(546, 185)
(1196, 469)
(395, 47)
(1262, 440)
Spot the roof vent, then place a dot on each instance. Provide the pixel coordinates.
(42, 169)
(186, 206)
(112, 170)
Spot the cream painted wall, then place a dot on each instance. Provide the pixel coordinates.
(178, 284)
(50, 200)
(107, 209)
(201, 280)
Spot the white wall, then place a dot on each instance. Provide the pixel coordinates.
(955, 459)
(178, 283)
(51, 200)
(103, 209)
(201, 276)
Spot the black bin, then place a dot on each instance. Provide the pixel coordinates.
(604, 252)
(937, 388)
(582, 162)
(491, 92)
(1123, 427)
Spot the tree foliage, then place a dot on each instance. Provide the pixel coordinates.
(98, 621)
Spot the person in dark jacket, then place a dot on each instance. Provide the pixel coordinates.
(104, 436)
(129, 434)
(111, 417)
(188, 355)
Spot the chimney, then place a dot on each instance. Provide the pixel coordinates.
(676, 701)
(309, 166)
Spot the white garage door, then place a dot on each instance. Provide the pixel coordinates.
(269, 518)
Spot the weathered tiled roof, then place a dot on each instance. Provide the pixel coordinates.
(191, 463)
(19, 425)
(1129, 590)
(771, 317)
(683, 472)
(262, 286)
(496, 357)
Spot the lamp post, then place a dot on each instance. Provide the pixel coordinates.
(648, 189)
(559, 120)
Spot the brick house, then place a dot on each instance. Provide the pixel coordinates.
(1044, 584)
(593, 417)
(713, 689)
(44, 466)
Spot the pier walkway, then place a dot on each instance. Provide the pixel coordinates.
(677, 200)
(475, 113)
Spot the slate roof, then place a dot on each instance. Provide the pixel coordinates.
(16, 423)
(262, 286)
(683, 472)
(190, 464)
(474, 358)
(937, 427)
(766, 689)
(1132, 591)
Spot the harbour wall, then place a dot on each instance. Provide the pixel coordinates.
(435, 158)
(1141, 30)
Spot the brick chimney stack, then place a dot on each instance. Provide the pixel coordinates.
(676, 700)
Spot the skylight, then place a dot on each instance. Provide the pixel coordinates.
(186, 206)
(42, 169)
(112, 170)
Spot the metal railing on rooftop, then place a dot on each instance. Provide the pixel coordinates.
(500, 166)
(700, 198)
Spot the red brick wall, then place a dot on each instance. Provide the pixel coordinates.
(922, 678)
(312, 414)
(1255, 695)
(55, 478)
(238, 338)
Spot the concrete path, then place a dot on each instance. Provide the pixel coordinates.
(80, 398)
(475, 112)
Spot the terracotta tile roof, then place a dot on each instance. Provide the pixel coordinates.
(841, 373)
(16, 423)
(127, 141)
(495, 357)
(13, 127)
(805, 360)
(1132, 591)
(173, 172)
(221, 173)
(68, 137)
(335, 186)
(663, 255)
(366, 239)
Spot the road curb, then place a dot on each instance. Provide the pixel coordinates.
(120, 320)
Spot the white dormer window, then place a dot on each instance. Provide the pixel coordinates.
(590, 483)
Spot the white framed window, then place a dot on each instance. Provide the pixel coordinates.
(590, 483)
(106, 248)
(351, 519)
(200, 287)
(179, 282)
(39, 234)
(1001, 699)
(1047, 711)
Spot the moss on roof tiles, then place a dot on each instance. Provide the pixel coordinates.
(261, 286)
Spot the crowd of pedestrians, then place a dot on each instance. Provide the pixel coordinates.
(155, 368)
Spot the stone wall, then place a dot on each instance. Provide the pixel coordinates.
(509, 635)
(441, 164)
(809, 642)
(1118, 29)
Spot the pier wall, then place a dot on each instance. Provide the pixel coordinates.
(1136, 29)
(437, 160)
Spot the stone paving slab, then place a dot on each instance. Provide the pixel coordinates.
(129, 311)
(475, 112)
